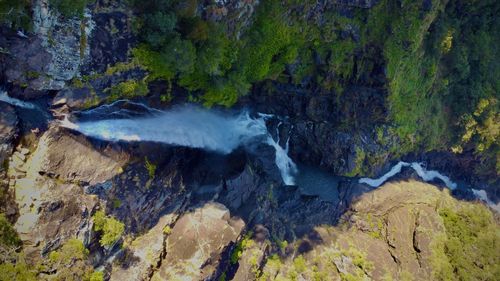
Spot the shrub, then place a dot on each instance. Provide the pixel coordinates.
(150, 167)
(70, 263)
(111, 229)
(128, 89)
(8, 235)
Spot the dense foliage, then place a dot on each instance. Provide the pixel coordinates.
(70, 263)
(8, 235)
(16, 13)
(469, 250)
(442, 71)
(441, 62)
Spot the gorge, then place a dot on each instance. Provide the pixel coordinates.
(249, 140)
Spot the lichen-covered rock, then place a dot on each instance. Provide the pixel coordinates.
(65, 39)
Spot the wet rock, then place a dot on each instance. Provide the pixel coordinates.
(196, 241)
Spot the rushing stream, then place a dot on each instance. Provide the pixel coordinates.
(212, 130)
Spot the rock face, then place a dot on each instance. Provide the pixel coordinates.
(51, 211)
(8, 130)
(196, 242)
(139, 260)
(73, 158)
(65, 39)
(324, 131)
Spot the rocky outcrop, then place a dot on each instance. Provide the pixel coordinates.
(65, 39)
(139, 260)
(196, 241)
(389, 233)
(75, 159)
(50, 211)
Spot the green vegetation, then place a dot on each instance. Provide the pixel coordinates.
(70, 263)
(16, 268)
(435, 80)
(167, 230)
(244, 243)
(16, 13)
(128, 89)
(8, 235)
(69, 8)
(116, 203)
(111, 229)
(12, 264)
(150, 167)
(469, 250)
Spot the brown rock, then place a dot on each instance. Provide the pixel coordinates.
(196, 241)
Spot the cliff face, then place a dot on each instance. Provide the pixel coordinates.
(181, 213)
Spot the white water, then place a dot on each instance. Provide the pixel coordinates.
(192, 127)
(421, 172)
(427, 176)
(396, 169)
(15, 102)
(285, 164)
(481, 195)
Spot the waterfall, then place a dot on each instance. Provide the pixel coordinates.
(187, 126)
(285, 164)
(421, 172)
(15, 102)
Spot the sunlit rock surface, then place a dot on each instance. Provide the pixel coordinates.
(196, 242)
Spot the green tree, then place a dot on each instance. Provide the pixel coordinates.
(111, 229)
